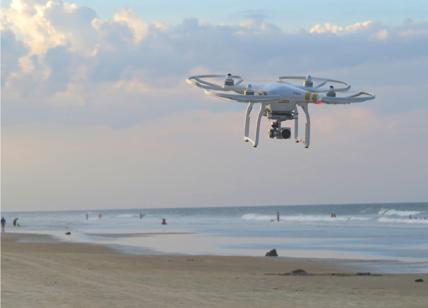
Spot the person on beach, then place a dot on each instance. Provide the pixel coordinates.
(278, 218)
(87, 215)
(3, 224)
(15, 222)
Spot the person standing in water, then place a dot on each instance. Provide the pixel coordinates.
(278, 218)
(3, 224)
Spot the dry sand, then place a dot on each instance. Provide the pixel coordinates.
(54, 274)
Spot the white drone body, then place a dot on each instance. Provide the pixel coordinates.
(279, 101)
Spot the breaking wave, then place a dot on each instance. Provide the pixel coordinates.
(402, 220)
(393, 212)
(251, 216)
(302, 218)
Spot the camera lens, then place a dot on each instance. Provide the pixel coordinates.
(286, 134)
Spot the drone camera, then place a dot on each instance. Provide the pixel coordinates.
(280, 132)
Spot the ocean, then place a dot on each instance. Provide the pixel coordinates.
(389, 237)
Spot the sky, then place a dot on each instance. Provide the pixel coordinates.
(96, 112)
(290, 14)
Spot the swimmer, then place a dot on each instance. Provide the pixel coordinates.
(3, 224)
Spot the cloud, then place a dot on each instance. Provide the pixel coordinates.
(58, 54)
(336, 29)
(139, 27)
(48, 24)
(66, 47)
(11, 53)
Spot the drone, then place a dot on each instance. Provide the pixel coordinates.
(279, 100)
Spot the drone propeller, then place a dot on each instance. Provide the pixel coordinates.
(231, 82)
(355, 98)
(308, 83)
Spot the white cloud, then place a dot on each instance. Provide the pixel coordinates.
(336, 29)
(27, 20)
(12, 51)
(60, 53)
(139, 27)
(66, 48)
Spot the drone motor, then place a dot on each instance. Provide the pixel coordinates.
(229, 81)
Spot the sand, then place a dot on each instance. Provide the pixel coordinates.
(43, 273)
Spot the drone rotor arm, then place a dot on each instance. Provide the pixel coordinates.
(246, 98)
(239, 82)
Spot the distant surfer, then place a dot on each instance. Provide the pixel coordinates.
(100, 215)
(163, 221)
(87, 215)
(278, 218)
(15, 222)
(3, 224)
(141, 215)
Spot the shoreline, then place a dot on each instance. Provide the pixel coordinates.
(356, 236)
(355, 263)
(37, 272)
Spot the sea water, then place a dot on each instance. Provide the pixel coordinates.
(380, 237)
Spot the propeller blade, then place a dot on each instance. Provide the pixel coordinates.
(201, 81)
(316, 88)
(355, 98)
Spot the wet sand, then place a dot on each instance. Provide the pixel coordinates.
(40, 272)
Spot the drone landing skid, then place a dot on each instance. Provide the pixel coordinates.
(261, 112)
(247, 138)
(307, 125)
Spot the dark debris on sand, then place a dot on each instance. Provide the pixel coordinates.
(272, 253)
(302, 272)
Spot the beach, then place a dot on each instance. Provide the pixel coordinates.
(38, 271)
